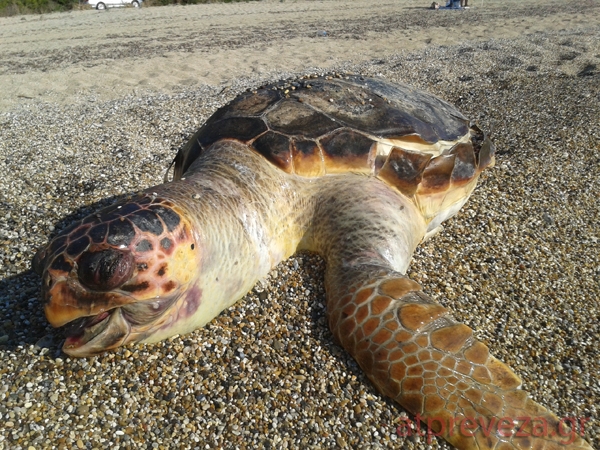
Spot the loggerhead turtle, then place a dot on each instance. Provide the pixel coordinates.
(359, 170)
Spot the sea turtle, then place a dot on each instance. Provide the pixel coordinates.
(359, 170)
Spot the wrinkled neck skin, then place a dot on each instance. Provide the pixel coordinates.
(247, 216)
(363, 222)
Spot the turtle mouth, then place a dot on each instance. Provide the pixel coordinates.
(77, 328)
(91, 335)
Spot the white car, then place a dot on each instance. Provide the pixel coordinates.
(103, 4)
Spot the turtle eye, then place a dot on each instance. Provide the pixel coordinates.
(105, 270)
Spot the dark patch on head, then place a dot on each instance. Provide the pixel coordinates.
(294, 118)
(136, 287)
(192, 246)
(107, 210)
(77, 247)
(143, 246)
(147, 221)
(105, 270)
(166, 243)
(70, 228)
(57, 243)
(108, 217)
(120, 232)
(404, 169)
(242, 128)
(78, 233)
(275, 147)
(98, 233)
(128, 208)
(161, 271)
(90, 219)
(61, 264)
(169, 286)
(168, 216)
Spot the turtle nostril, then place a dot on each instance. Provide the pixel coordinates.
(105, 270)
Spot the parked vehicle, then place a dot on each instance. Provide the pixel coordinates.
(103, 4)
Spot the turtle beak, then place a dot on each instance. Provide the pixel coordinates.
(90, 336)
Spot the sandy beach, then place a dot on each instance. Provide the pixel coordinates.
(59, 57)
(95, 104)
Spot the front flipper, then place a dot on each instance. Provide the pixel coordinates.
(414, 352)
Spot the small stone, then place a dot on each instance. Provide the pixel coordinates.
(548, 220)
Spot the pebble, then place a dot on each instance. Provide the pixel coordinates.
(520, 255)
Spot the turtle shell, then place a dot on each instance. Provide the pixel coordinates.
(312, 127)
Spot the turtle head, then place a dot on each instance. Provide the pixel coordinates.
(118, 276)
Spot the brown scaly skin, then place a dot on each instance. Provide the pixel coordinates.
(175, 256)
(413, 350)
